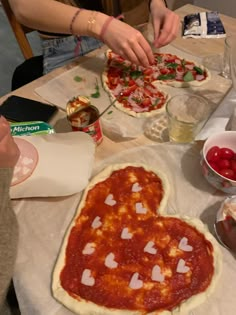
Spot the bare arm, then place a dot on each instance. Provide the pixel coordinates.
(53, 16)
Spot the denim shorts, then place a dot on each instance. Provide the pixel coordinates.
(59, 51)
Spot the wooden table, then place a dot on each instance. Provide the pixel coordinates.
(30, 211)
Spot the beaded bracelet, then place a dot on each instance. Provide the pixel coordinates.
(73, 20)
(105, 26)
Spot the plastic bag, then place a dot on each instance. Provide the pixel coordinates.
(203, 25)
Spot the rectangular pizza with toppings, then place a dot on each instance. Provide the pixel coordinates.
(122, 255)
(134, 89)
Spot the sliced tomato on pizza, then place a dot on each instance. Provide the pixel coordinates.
(178, 72)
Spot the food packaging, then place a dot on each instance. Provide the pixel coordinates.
(225, 225)
(31, 128)
(84, 117)
(203, 25)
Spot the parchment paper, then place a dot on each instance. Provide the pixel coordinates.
(116, 124)
(43, 224)
(64, 165)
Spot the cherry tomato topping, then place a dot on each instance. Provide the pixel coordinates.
(164, 71)
(132, 82)
(213, 155)
(146, 102)
(226, 153)
(128, 91)
(148, 71)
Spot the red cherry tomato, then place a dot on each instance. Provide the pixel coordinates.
(213, 155)
(214, 166)
(228, 173)
(226, 153)
(233, 165)
(224, 163)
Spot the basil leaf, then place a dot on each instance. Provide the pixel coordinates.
(135, 74)
(77, 78)
(188, 76)
(198, 69)
(159, 59)
(183, 63)
(156, 102)
(167, 76)
(172, 65)
(95, 95)
(137, 100)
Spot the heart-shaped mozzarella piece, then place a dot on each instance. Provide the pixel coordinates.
(181, 267)
(96, 223)
(149, 248)
(25, 170)
(27, 161)
(183, 245)
(110, 261)
(135, 282)
(157, 275)
(17, 169)
(136, 187)
(110, 200)
(125, 234)
(140, 208)
(87, 279)
(88, 249)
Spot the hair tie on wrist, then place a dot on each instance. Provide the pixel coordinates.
(105, 26)
(73, 20)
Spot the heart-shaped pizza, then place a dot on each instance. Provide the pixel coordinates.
(123, 255)
(133, 87)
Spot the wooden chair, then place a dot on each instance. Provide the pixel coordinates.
(19, 31)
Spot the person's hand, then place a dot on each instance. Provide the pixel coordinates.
(9, 151)
(128, 43)
(165, 23)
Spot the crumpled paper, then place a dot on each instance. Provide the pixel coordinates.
(223, 118)
(64, 166)
(43, 224)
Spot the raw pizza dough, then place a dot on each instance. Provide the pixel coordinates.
(84, 306)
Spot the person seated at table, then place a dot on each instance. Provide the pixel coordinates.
(9, 154)
(69, 28)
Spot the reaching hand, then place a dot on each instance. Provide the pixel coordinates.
(9, 152)
(128, 43)
(165, 23)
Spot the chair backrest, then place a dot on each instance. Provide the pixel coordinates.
(19, 31)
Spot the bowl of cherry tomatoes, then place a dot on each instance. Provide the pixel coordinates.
(218, 161)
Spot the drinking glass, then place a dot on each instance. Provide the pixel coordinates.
(186, 115)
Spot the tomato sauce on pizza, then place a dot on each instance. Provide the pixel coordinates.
(122, 254)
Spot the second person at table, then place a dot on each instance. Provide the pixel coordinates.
(90, 27)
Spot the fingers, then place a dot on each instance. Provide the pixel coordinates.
(137, 50)
(4, 128)
(9, 151)
(169, 30)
